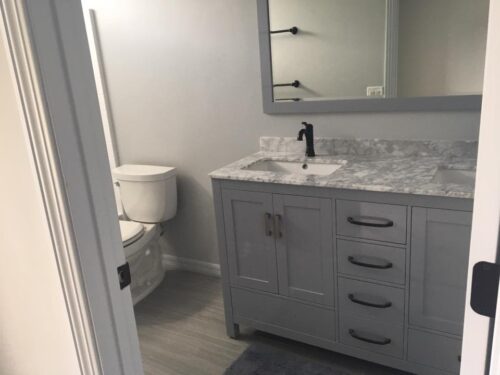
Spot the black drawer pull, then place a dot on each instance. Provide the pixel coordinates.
(375, 222)
(385, 305)
(355, 335)
(353, 260)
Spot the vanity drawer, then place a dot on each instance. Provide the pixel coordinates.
(275, 311)
(435, 351)
(384, 338)
(374, 221)
(377, 262)
(371, 301)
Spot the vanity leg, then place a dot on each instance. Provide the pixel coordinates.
(233, 330)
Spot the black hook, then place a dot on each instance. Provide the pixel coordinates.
(294, 30)
(295, 84)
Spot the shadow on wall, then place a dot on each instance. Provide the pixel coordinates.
(191, 233)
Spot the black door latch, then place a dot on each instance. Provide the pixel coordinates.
(124, 276)
(484, 292)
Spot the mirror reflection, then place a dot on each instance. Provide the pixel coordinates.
(353, 49)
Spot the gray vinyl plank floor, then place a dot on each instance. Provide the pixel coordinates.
(181, 332)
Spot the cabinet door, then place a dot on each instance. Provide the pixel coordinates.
(439, 257)
(250, 241)
(304, 241)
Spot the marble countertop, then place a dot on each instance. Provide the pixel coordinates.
(379, 173)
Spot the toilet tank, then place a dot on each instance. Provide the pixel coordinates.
(148, 192)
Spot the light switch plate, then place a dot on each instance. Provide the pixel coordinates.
(377, 91)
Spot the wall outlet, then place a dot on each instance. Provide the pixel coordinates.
(375, 91)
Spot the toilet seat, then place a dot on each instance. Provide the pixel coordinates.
(131, 232)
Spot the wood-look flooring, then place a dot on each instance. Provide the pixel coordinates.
(181, 332)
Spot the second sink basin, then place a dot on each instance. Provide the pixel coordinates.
(455, 176)
(294, 167)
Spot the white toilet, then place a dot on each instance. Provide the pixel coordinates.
(149, 197)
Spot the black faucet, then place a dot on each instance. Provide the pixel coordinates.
(308, 131)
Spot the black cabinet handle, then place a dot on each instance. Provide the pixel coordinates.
(268, 225)
(374, 222)
(385, 305)
(278, 222)
(386, 266)
(384, 341)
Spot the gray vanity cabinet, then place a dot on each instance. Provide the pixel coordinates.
(378, 276)
(280, 243)
(250, 242)
(304, 241)
(438, 276)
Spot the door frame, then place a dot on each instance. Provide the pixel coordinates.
(479, 337)
(51, 68)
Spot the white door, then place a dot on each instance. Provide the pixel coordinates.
(51, 63)
(485, 225)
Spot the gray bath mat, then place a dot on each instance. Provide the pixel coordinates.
(261, 359)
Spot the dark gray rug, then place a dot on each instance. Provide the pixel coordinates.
(261, 359)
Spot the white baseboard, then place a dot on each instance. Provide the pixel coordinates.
(171, 262)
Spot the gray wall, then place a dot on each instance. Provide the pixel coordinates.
(184, 81)
(321, 56)
(442, 47)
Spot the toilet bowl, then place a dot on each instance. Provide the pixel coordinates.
(143, 254)
(149, 197)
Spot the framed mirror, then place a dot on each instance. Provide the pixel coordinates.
(321, 56)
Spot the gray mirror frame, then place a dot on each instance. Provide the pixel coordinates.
(435, 103)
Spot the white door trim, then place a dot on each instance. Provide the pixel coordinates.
(476, 346)
(51, 63)
(103, 95)
(102, 86)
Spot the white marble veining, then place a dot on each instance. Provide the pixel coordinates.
(372, 165)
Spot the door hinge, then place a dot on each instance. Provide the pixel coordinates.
(484, 291)
(124, 276)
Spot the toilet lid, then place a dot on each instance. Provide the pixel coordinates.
(131, 231)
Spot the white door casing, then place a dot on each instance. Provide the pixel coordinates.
(103, 94)
(486, 217)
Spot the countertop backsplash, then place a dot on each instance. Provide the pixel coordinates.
(374, 147)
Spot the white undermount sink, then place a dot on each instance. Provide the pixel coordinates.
(455, 176)
(294, 167)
